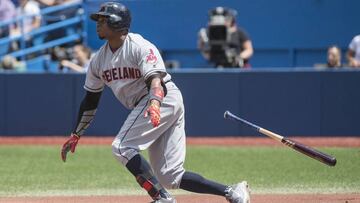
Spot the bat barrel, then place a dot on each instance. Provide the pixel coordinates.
(311, 152)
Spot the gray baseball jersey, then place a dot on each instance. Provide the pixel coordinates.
(125, 72)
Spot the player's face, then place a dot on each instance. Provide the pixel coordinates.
(102, 28)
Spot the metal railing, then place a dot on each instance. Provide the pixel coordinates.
(78, 19)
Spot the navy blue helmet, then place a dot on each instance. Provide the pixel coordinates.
(118, 16)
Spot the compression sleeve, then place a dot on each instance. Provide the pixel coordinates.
(87, 112)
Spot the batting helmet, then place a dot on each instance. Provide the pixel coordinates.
(118, 16)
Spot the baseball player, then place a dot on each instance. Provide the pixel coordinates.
(134, 70)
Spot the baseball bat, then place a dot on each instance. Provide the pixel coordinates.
(311, 152)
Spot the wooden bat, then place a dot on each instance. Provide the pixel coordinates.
(311, 152)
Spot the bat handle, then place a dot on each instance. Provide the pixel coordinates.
(231, 116)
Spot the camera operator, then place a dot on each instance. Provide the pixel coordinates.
(223, 42)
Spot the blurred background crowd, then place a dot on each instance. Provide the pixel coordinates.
(56, 35)
(38, 31)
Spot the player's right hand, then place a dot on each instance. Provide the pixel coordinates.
(154, 111)
(69, 145)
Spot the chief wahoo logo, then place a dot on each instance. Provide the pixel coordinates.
(151, 58)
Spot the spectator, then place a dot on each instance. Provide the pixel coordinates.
(29, 8)
(7, 12)
(58, 16)
(80, 62)
(334, 57)
(32, 20)
(47, 3)
(223, 42)
(353, 53)
(9, 62)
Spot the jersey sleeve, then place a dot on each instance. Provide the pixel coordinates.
(151, 62)
(93, 82)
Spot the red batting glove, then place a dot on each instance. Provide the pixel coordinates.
(154, 111)
(69, 145)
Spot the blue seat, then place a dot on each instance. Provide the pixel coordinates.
(38, 64)
(38, 39)
(4, 49)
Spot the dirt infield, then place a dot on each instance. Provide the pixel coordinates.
(227, 141)
(268, 198)
(218, 141)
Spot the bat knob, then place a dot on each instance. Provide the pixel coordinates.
(226, 114)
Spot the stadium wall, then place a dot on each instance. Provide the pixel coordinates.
(299, 103)
(284, 33)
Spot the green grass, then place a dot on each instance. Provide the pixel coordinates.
(38, 170)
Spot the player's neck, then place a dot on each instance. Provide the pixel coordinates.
(116, 43)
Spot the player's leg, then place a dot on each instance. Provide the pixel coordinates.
(167, 153)
(167, 156)
(135, 135)
(168, 167)
(141, 169)
(196, 183)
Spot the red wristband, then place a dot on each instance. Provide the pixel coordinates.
(157, 93)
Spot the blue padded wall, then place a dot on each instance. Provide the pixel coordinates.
(340, 111)
(297, 102)
(2, 103)
(38, 104)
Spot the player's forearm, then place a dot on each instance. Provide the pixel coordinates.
(156, 91)
(156, 87)
(86, 112)
(155, 82)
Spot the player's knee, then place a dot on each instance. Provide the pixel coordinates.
(170, 179)
(122, 153)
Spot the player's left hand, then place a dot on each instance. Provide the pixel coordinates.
(69, 145)
(154, 111)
